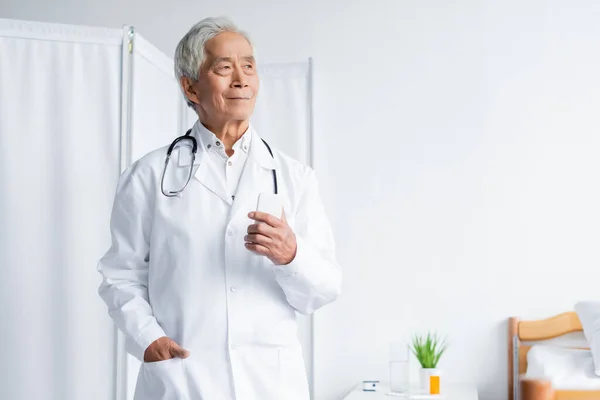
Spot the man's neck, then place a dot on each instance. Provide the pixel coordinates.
(227, 132)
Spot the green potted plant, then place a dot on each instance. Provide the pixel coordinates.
(428, 350)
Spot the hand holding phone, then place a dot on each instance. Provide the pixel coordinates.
(270, 203)
(270, 235)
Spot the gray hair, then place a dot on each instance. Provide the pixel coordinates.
(190, 52)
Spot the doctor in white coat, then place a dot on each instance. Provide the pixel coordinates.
(204, 288)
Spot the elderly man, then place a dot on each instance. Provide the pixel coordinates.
(205, 287)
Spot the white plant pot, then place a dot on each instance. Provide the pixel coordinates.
(424, 374)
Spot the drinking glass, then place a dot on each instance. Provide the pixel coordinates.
(399, 372)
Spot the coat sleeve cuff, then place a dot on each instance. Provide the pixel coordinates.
(146, 338)
(304, 254)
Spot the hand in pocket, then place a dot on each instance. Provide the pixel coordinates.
(164, 349)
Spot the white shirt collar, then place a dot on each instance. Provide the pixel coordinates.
(208, 139)
(256, 150)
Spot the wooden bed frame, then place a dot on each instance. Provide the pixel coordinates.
(533, 331)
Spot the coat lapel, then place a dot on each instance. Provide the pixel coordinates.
(257, 177)
(204, 168)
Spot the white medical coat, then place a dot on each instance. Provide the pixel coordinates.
(178, 267)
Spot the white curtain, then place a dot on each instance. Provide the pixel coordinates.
(156, 100)
(59, 161)
(283, 108)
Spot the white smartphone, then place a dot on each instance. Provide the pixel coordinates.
(270, 203)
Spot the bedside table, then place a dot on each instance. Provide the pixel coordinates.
(449, 392)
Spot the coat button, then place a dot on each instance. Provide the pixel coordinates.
(232, 288)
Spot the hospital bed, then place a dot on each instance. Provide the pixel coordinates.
(540, 370)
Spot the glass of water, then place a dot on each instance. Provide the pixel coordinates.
(399, 372)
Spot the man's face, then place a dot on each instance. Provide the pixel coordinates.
(228, 84)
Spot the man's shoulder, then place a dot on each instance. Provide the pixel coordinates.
(300, 175)
(147, 166)
(292, 166)
(153, 159)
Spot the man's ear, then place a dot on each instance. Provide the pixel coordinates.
(188, 88)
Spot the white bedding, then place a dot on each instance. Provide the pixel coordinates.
(589, 315)
(567, 369)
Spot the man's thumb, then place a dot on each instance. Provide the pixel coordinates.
(177, 351)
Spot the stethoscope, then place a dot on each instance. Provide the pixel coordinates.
(187, 136)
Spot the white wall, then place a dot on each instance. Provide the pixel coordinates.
(457, 147)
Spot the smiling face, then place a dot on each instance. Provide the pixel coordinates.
(228, 83)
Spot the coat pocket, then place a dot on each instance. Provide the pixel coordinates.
(162, 380)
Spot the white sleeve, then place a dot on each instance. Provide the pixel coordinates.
(313, 279)
(124, 267)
